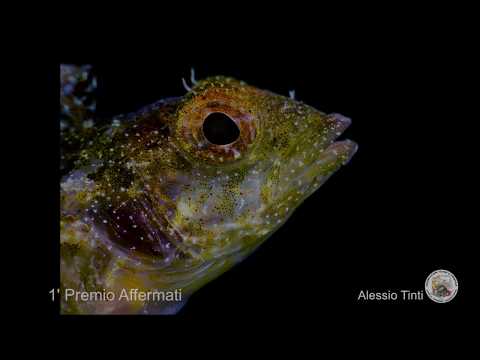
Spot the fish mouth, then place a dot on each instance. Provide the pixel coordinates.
(333, 154)
(334, 125)
(317, 157)
(342, 148)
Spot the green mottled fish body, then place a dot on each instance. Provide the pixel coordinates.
(149, 202)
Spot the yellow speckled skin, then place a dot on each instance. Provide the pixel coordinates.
(150, 203)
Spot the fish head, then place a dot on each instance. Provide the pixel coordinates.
(254, 157)
(177, 193)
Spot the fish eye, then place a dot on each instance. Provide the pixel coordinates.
(215, 128)
(219, 129)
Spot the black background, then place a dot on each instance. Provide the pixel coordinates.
(398, 211)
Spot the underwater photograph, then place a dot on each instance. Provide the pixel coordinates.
(281, 183)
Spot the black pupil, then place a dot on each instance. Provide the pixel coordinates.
(219, 129)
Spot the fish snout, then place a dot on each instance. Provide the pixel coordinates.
(316, 156)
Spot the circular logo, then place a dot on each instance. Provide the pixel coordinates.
(441, 286)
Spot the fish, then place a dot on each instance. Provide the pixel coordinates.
(156, 203)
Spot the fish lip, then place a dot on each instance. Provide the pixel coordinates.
(334, 145)
(342, 118)
(338, 124)
(342, 123)
(346, 147)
